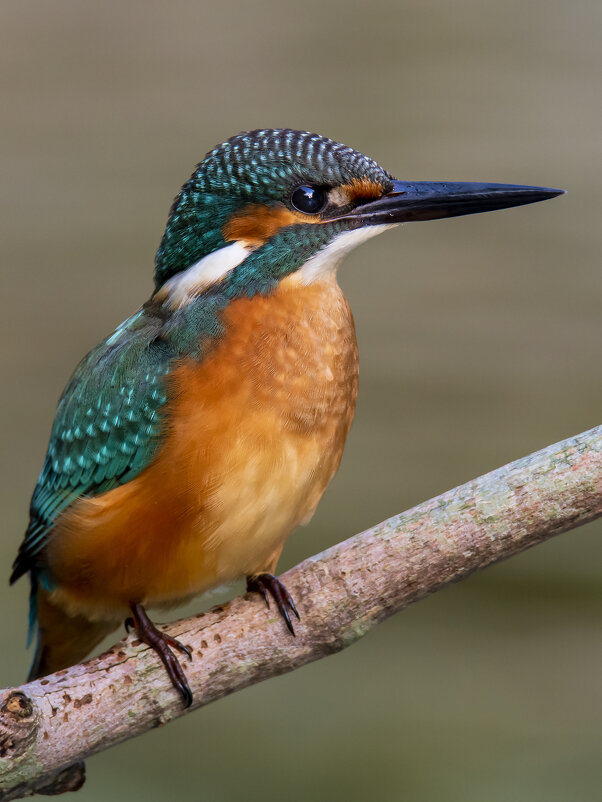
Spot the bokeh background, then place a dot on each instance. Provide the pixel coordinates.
(479, 341)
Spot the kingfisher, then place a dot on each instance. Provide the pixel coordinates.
(200, 433)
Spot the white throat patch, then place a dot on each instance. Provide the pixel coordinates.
(180, 289)
(328, 258)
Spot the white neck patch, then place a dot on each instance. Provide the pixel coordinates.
(328, 258)
(180, 289)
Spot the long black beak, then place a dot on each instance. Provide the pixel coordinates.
(428, 200)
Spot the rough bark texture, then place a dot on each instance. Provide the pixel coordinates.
(342, 593)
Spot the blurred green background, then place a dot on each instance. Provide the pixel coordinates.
(479, 341)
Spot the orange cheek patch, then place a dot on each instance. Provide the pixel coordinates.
(356, 191)
(362, 189)
(257, 223)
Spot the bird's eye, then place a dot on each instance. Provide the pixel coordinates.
(308, 199)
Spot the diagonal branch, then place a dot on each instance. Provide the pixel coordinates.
(341, 594)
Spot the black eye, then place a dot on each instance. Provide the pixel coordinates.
(308, 199)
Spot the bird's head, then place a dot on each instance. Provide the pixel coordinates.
(269, 203)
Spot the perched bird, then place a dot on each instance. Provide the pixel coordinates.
(191, 442)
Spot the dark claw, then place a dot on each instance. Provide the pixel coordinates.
(185, 692)
(287, 619)
(260, 589)
(266, 583)
(129, 624)
(161, 643)
(177, 645)
(291, 604)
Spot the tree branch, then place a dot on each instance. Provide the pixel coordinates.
(341, 594)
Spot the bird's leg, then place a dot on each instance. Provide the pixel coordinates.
(268, 583)
(162, 644)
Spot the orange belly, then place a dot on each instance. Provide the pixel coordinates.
(253, 434)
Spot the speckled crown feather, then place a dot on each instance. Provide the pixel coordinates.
(254, 166)
(268, 158)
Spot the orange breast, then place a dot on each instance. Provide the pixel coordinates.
(253, 435)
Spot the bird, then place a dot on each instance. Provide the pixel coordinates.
(192, 441)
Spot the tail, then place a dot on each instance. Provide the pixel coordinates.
(63, 640)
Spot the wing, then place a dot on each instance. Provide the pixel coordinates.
(107, 427)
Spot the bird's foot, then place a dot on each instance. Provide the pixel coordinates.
(266, 583)
(163, 645)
